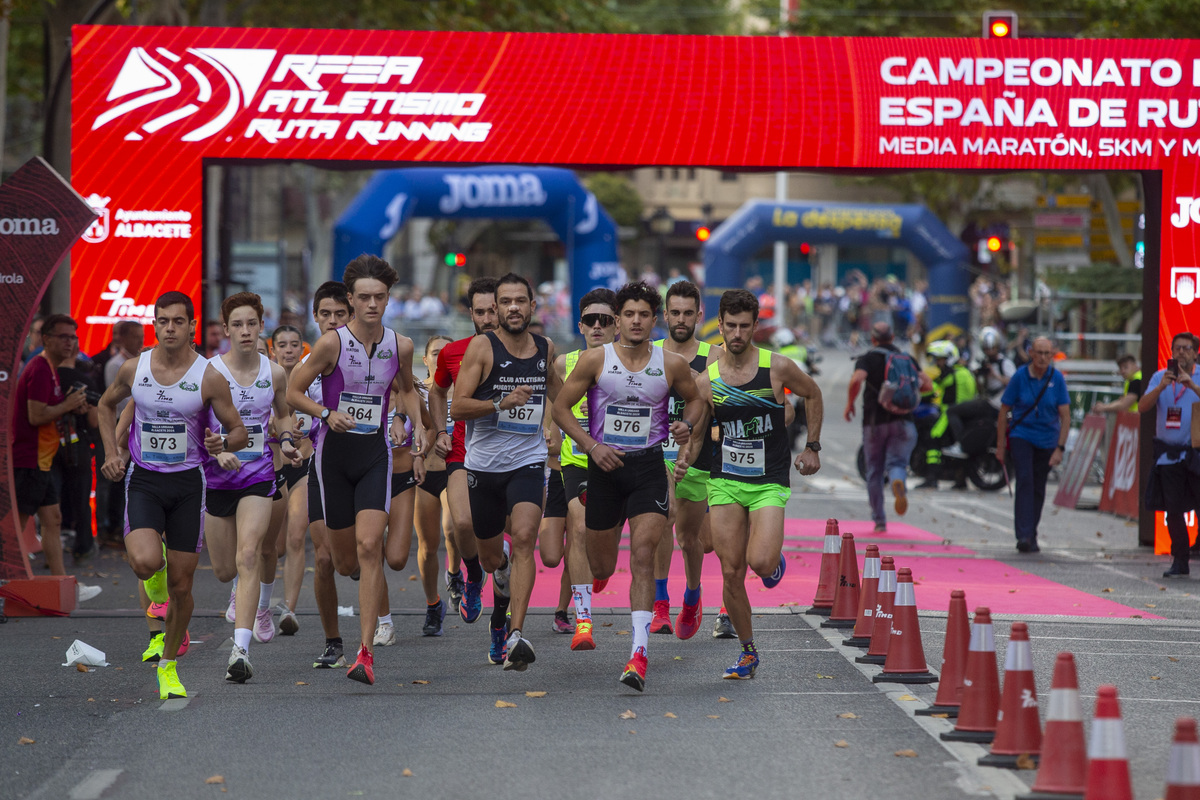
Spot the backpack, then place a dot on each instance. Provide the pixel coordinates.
(900, 392)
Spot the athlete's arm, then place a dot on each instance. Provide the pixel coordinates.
(403, 384)
(476, 364)
(802, 385)
(856, 382)
(215, 392)
(285, 422)
(582, 378)
(704, 394)
(553, 379)
(679, 375)
(118, 390)
(321, 361)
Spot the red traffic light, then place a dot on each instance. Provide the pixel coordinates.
(702, 233)
(1000, 29)
(994, 243)
(999, 25)
(805, 248)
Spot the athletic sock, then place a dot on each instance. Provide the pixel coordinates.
(162, 663)
(660, 590)
(455, 574)
(386, 619)
(435, 603)
(641, 630)
(499, 612)
(691, 596)
(748, 647)
(582, 594)
(241, 637)
(264, 595)
(335, 640)
(474, 570)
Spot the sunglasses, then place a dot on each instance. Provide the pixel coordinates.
(605, 320)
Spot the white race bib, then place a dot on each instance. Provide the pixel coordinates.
(627, 426)
(303, 424)
(670, 447)
(255, 443)
(526, 419)
(365, 409)
(745, 457)
(164, 442)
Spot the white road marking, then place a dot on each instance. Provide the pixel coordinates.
(95, 784)
(174, 704)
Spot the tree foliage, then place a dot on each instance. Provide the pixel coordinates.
(618, 197)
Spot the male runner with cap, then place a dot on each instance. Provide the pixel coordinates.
(628, 386)
(749, 487)
(173, 389)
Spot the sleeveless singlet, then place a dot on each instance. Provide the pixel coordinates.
(254, 404)
(567, 455)
(754, 446)
(167, 434)
(306, 425)
(629, 409)
(512, 438)
(360, 384)
(675, 412)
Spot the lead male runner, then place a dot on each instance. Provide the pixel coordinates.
(173, 389)
(749, 486)
(501, 394)
(359, 365)
(628, 384)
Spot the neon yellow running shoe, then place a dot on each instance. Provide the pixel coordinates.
(156, 584)
(168, 682)
(155, 650)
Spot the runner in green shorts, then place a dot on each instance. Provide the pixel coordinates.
(749, 487)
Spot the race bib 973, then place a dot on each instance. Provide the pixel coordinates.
(164, 442)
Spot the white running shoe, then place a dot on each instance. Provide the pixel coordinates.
(288, 624)
(83, 592)
(501, 577)
(239, 669)
(264, 626)
(385, 634)
(231, 609)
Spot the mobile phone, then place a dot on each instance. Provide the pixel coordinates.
(1173, 367)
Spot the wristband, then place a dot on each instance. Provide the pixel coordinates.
(597, 444)
(418, 455)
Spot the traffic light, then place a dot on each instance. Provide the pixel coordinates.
(702, 233)
(456, 259)
(994, 244)
(1000, 25)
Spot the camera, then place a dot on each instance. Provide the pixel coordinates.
(93, 397)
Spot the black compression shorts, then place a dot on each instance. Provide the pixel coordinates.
(168, 503)
(638, 487)
(495, 494)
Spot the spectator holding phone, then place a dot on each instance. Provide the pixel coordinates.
(1174, 484)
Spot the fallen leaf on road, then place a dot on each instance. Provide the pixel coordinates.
(1154, 678)
(1151, 605)
(606, 625)
(301, 683)
(412, 577)
(55, 637)
(848, 715)
(1172, 658)
(407, 773)
(91, 699)
(841, 743)
(1012, 591)
(622, 633)
(669, 715)
(825, 677)
(80, 668)
(724, 700)
(633, 732)
(906, 697)
(906, 753)
(505, 704)
(1024, 761)
(628, 714)
(679, 658)
(215, 779)
(26, 740)
(535, 694)
(1162, 588)
(421, 683)
(1107, 589)
(714, 716)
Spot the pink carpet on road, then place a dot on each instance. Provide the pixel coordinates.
(937, 570)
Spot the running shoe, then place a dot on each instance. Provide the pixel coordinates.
(501, 577)
(689, 620)
(155, 650)
(634, 675)
(434, 615)
(239, 670)
(900, 492)
(661, 622)
(582, 640)
(454, 586)
(724, 627)
(363, 670)
(183, 646)
(84, 592)
(744, 669)
(168, 682)
(231, 609)
(158, 610)
(561, 623)
(772, 580)
(472, 603)
(519, 653)
(288, 624)
(385, 635)
(156, 584)
(598, 585)
(332, 657)
(264, 626)
(499, 649)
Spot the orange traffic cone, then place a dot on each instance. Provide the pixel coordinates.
(831, 553)
(881, 630)
(905, 661)
(868, 592)
(1108, 765)
(981, 686)
(954, 659)
(845, 594)
(1018, 731)
(1183, 768)
(1062, 773)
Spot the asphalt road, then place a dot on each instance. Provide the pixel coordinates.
(298, 732)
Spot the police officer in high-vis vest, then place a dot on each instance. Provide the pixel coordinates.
(954, 384)
(1130, 392)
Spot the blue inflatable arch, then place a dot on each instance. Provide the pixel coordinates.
(392, 197)
(762, 222)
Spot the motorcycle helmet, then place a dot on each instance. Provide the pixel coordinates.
(990, 339)
(943, 348)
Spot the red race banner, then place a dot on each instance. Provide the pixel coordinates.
(1120, 494)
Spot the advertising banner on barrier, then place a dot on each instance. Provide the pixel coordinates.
(41, 216)
(1079, 464)
(1120, 495)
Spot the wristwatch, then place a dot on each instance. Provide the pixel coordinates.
(689, 424)
(814, 446)
(496, 404)
(325, 415)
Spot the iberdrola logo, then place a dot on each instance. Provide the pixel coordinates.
(189, 387)
(263, 384)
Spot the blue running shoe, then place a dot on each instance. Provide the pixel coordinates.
(499, 649)
(744, 669)
(776, 576)
(472, 602)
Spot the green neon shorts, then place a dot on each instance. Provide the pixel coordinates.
(694, 485)
(750, 496)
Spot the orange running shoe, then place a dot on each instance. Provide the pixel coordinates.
(582, 640)
(661, 622)
(598, 585)
(689, 620)
(363, 670)
(634, 675)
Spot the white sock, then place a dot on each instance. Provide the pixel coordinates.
(641, 630)
(386, 619)
(162, 663)
(264, 595)
(582, 594)
(241, 637)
